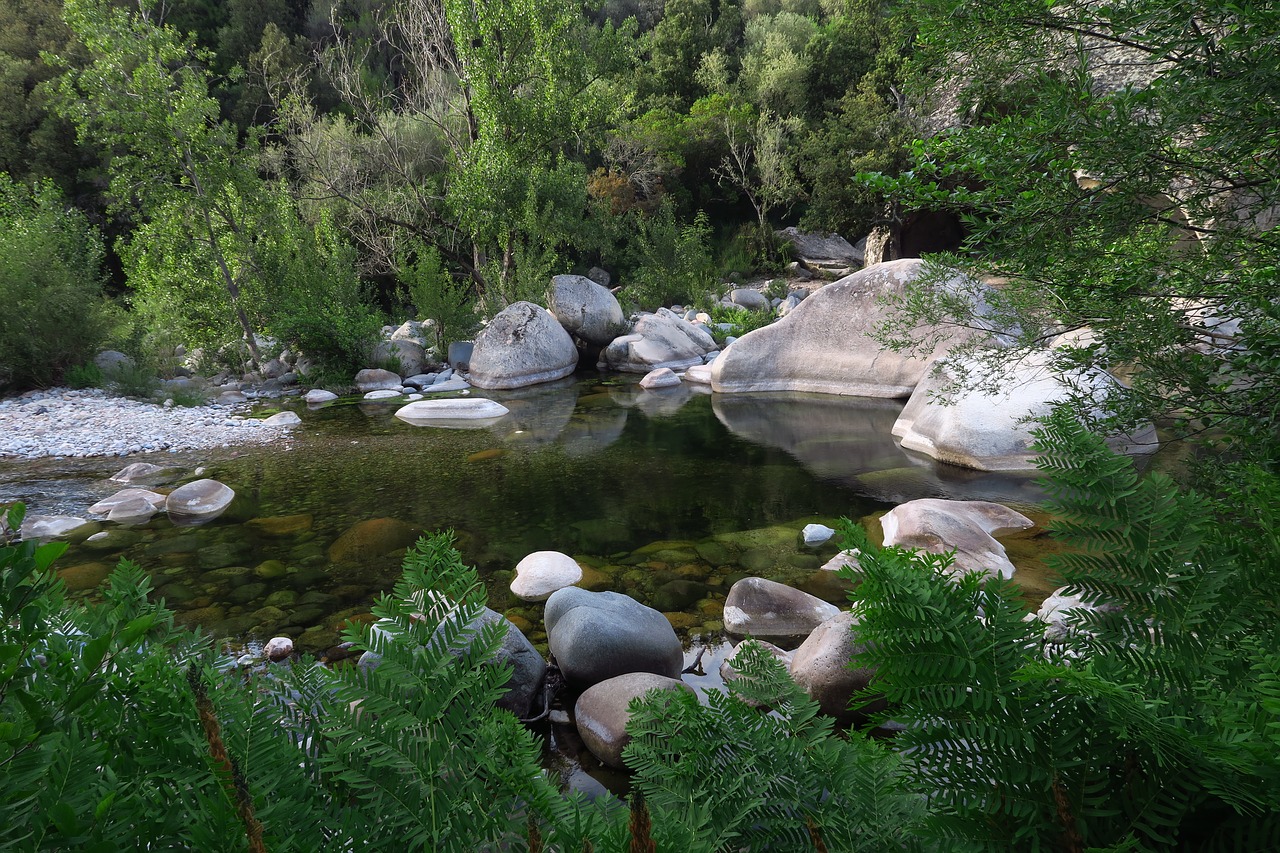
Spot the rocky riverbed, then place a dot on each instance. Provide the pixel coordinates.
(64, 423)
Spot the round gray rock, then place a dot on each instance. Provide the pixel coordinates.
(763, 608)
(585, 309)
(821, 666)
(202, 500)
(283, 419)
(663, 377)
(377, 379)
(523, 345)
(596, 636)
(601, 712)
(319, 395)
(410, 355)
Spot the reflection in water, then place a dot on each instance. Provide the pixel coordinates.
(847, 440)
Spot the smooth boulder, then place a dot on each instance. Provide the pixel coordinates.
(377, 379)
(663, 377)
(601, 712)
(974, 426)
(966, 527)
(199, 501)
(523, 345)
(409, 355)
(763, 608)
(661, 339)
(585, 309)
(542, 573)
(457, 412)
(128, 497)
(821, 666)
(283, 419)
(825, 343)
(319, 395)
(596, 636)
(143, 474)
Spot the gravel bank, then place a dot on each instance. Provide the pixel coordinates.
(64, 423)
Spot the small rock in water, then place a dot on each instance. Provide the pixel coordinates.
(278, 648)
(816, 534)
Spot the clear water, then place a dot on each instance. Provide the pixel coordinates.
(667, 495)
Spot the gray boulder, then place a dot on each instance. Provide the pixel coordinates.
(601, 712)
(745, 297)
(144, 474)
(766, 609)
(663, 377)
(523, 345)
(409, 354)
(198, 501)
(661, 339)
(824, 344)
(377, 379)
(965, 527)
(111, 362)
(817, 251)
(596, 636)
(319, 395)
(588, 311)
(283, 419)
(423, 334)
(986, 423)
(821, 666)
(600, 276)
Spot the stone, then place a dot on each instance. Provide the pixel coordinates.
(816, 534)
(199, 501)
(825, 344)
(377, 379)
(41, 527)
(283, 419)
(372, 538)
(586, 310)
(128, 497)
(319, 395)
(281, 525)
(384, 394)
(420, 380)
(845, 559)
(144, 474)
(663, 377)
(763, 608)
(601, 712)
(448, 385)
(661, 339)
(407, 354)
(523, 345)
(422, 334)
(821, 666)
(277, 649)
(84, 577)
(965, 527)
(460, 354)
(456, 412)
(816, 250)
(110, 362)
(600, 276)
(1059, 610)
(542, 573)
(699, 374)
(598, 635)
(132, 511)
(990, 430)
(228, 398)
(746, 297)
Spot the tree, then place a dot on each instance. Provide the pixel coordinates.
(1115, 166)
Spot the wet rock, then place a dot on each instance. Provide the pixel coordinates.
(601, 712)
(816, 534)
(663, 377)
(115, 539)
(542, 573)
(372, 538)
(662, 339)
(68, 527)
(85, 576)
(127, 497)
(821, 666)
(384, 394)
(763, 608)
(598, 635)
(278, 648)
(200, 501)
(283, 419)
(281, 525)
(144, 474)
(677, 595)
(965, 527)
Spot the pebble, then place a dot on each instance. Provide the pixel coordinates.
(91, 422)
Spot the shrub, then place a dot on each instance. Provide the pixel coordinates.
(673, 260)
(84, 376)
(53, 314)
(438, 296)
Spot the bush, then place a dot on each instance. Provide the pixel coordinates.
(83, 376)
(674, 261)
(53, 314)
(438, 296)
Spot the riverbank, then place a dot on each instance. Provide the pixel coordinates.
(60, 422)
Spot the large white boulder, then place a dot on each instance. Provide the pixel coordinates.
(586, 310)
(968, 528)
(523, 345)
(990, 430)
(661, 339)
(824, 344)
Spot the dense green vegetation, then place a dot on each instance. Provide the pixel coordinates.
(257, 167)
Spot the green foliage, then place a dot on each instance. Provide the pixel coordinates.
(438, 296)
(132, 380)
(54, 313)
(1141, 724)
(86, 375)
(730, 775)
(741, 319)
(672, 262)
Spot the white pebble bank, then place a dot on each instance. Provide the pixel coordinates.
(62, 422)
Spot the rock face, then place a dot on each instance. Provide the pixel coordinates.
(821, 667)
(200, 501)
(766, 609)
(824, 343)
(601, 712)
(966, 527)
(822, 252)
(599, 635)
(585, 309)
(991, 431)
(523, 345)
(542, 573)
(662, 339)
(376, 379)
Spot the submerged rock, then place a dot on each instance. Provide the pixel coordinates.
(763, 608)
(144, 474)
(199, 501)
(372, 538)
